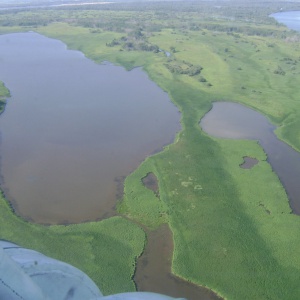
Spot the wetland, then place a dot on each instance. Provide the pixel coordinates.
(235, 121)
(71, 127)
(202, 198)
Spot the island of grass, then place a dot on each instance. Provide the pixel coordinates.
(233, 229)
(4, 94)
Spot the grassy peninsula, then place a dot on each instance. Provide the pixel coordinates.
(233, 228)
(4, 94)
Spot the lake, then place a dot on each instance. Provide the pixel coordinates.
(73, 129)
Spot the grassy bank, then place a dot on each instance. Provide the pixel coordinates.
(226, 220)
(233, 228)
(105, 250)
(4, 94)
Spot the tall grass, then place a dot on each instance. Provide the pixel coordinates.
(233, 228)
(106, 251)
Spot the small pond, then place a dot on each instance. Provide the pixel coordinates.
(289, 18)
(153, 272)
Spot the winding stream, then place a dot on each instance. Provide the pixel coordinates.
(153, 271)
(235, 121)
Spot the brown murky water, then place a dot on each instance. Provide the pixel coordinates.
(73, 128)
(153, 271)
(233, 120)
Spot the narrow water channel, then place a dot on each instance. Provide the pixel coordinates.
(153, 271)
(235, 121)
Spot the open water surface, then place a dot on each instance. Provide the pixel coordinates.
(71, 127)
(153, 272)
(289, 18)
(236, 121)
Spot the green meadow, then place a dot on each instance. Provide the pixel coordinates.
(233, 229)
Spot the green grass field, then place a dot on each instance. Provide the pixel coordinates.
(233, 229)
(106, 250)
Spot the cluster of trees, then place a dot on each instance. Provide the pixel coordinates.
(290, 61)
(279, 71)
(2, 105)
(225, 16)
(23, 19)
(231, 29)
(183, 67)
(135, 40)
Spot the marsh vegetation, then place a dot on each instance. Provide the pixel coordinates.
(232, 232)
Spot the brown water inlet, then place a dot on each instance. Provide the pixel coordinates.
(153, 272)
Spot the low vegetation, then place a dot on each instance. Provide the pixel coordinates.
(4, 94)
(105, 250)
(232, 232)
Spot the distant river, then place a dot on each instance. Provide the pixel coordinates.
(73, 129)
(289, 18)
(236, 121)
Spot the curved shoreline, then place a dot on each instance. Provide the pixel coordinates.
(153, 271)
(285, 161)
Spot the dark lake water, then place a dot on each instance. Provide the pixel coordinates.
(73, 128)
(235, 121)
